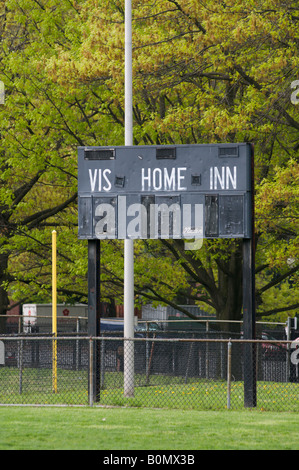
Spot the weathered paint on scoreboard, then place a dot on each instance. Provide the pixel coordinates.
(183, 191)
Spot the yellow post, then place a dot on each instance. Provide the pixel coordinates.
(54, 313)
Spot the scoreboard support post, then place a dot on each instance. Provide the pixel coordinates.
(94, 313)
(249, 323)
(249, 305)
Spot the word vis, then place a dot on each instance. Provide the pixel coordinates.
(99, 180)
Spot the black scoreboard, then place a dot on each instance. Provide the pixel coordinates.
(181, 191)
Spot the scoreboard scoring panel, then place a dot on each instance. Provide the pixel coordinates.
(181, 191)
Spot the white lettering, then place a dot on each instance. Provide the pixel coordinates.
(105, 227)
(217, 177)
(2, 93)
(97, 175)
(122, 217)
(192, 230)
(106, 188)
(172, 459)
(137, 228)
(115, 460)
(92, 179)
(2, 353)
(180, 177)
(169, 181)
(146, 178)
(136, 221)
(165, 211)
(295, 354)
(223, 178)
(294, 95)
(163, 179)
(193, 233)
(157, 181)
(231, 178)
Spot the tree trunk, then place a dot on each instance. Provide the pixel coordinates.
(229, 293)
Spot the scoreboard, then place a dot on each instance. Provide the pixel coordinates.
(181, 191)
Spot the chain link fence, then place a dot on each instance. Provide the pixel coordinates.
(194, 373)
(17, 324)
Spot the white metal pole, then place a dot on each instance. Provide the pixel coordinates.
(54, 310)
(128, 75)
(128, 244)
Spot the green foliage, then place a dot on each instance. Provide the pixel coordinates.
(209, 72)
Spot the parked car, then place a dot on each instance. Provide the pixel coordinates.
(152, 327)
(117, 326)
(270, 348)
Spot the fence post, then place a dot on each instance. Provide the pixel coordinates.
(20, 358)
(102, 367)
(91, 357)
(229, 370)
(77, 345)
(207, 350)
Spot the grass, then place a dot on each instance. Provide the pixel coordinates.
(161, 392)
(100, 428)
(165, 415)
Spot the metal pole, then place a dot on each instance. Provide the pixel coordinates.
(102, 343)
(77, 344)
(249, 307)
(229, 372)
(94, 312)
(207, 351)
(54, 313)
(21, 367)
(288, 350)
(91, 371)
(249, 324)
(128, 244)
(128, 75)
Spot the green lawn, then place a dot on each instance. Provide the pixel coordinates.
(160, 392)
(98, 428)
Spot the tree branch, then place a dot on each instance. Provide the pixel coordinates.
(35, 219)
(278, 280)
(277, 106)
(277, 310)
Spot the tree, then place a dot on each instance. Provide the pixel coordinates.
(219, 71)
(212, 72)
(41, 127)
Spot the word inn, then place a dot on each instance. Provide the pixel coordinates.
(223, 178)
